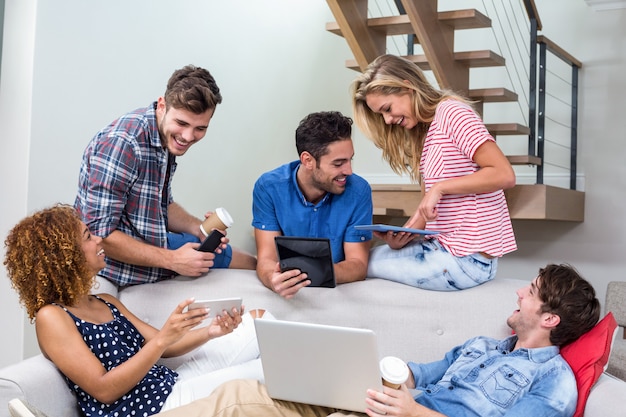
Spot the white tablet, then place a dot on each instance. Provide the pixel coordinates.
(217, 306)
(389, 228)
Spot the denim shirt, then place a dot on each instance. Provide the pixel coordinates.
(485, 377)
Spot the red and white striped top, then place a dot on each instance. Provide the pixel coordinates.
(468, 223)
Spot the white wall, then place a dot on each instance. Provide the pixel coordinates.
(15, 117)
(597, 246)
(274, 63)
(93, 64)
(96, 60)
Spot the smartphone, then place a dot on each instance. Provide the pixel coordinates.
(212, 241)
(217, 306)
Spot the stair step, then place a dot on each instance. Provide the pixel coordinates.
(395, 200)
(401, 24)
(478, 59)
(524, 160)
(545, 202)
(473, 59)
(526, 202)
(493, 95)
(465, 19)
(507, 129)
(389, 25)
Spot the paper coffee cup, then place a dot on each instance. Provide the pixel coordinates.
(393, 371)
(220, 219)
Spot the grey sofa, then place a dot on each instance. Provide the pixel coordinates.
(616, 302)
(410, 323)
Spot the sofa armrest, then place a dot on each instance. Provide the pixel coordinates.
(605, 398)
(40, 383)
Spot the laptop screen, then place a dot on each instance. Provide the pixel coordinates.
(318, 364)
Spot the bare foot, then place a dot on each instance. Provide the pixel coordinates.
(257, 314)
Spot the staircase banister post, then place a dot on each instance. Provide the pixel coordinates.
(574, 129)
(531, 11)
(532, 88)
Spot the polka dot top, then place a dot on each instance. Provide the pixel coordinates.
(114, 343)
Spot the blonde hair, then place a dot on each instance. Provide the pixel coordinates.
(387, 75)
(45, 260)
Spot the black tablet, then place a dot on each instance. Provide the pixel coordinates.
(308, 254)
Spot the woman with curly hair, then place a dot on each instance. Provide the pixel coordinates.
(107, 355)
(436, 138)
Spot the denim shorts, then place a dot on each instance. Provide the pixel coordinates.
(427, 264)
(176, 240)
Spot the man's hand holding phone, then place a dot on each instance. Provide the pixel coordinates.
(212, 242)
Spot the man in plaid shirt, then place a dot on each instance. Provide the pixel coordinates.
(124, 191)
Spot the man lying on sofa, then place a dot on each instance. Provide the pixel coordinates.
(522, 375)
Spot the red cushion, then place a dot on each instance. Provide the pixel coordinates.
(588, 357)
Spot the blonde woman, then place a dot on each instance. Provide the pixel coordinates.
(437, 138)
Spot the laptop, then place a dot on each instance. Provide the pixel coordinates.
(308, 254)
(318, 364)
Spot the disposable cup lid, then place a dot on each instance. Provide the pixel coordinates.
(394, 369)
(224, 216)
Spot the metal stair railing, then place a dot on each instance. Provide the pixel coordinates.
(546, 46)
(538, 93)
(537, 90)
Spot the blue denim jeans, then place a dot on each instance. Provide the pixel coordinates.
(176, 240)
(426, 264)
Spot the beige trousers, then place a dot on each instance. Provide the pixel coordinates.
(249, 398)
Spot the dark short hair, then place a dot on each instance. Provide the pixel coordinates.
(193, 89)
(565, 293)
(317, 130)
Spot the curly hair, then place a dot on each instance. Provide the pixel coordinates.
(394, 75)
(45, 260)
(565, 293)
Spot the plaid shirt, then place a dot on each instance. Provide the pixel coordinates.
(121, 187)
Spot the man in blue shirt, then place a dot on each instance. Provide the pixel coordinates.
(520, 376)
(315, 196)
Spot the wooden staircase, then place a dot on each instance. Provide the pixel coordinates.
(435, 31)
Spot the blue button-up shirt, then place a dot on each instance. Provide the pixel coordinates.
(486, 377)
(278, 205)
